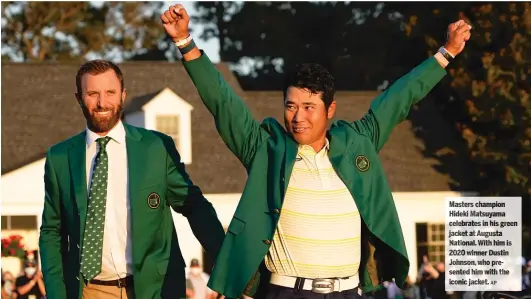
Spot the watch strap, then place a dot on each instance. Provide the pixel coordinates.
(446, 54)
(188, 48)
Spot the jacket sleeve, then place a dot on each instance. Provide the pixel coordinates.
(235, 124)
(187, 199)
(393, 105)
(51, 238)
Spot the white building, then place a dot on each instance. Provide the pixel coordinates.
(39, 110)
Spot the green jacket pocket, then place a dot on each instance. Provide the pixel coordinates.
(236, 226)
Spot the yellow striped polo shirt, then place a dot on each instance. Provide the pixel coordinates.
(318, 233)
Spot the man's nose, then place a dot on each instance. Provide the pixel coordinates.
(102, 100)
(299, 116)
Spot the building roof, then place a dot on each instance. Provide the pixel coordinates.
(39, 110)
(136, 104)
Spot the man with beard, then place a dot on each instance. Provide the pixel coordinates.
(107, 228)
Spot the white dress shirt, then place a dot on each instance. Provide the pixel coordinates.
(117, 251)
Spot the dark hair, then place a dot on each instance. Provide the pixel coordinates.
(96, 67)
(313, 77)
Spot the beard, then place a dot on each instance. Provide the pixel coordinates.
(102, 123)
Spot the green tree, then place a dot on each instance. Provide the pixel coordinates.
(486, 95)
(490, 81)
(42, 31)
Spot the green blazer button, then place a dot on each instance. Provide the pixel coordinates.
(276, 211)
(267, 242)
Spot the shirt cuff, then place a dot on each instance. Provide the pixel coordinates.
(440, 58)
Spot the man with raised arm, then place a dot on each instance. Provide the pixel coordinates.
(316, 218)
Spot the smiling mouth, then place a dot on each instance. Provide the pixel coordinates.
(299, 130)
(103, 113)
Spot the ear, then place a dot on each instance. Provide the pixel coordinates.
(331, 110)
(124, 93)
(78, 98)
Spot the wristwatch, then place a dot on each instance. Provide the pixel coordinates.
(446, 54)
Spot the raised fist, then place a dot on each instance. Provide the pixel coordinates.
(175, 21)
(457, 36)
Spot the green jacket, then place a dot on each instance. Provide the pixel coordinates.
(153, 166)
(268, 154)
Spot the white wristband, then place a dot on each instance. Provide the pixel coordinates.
(183, 42)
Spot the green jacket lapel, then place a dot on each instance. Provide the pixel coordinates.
(137, 152)
(337, 152)
(78, 172)
(343, 162)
